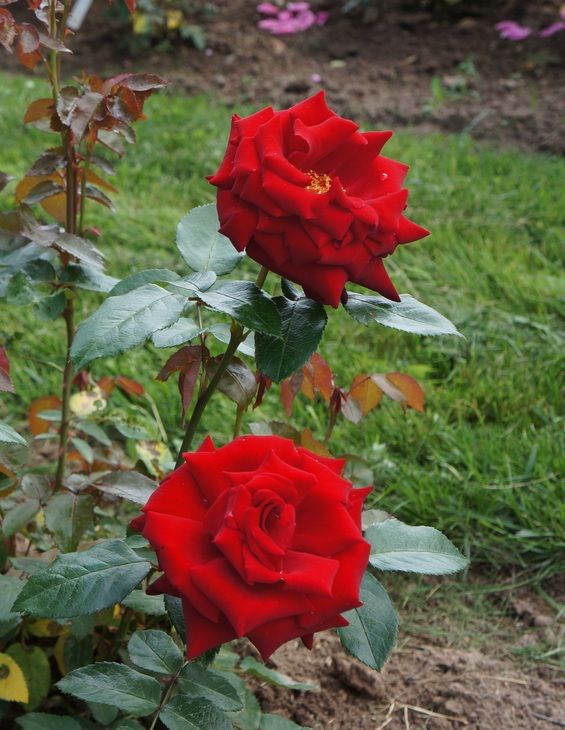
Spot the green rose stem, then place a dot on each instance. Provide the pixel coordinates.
(236, 338)
(166, 697)
(238, 419)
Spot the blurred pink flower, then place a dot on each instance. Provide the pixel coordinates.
(315, 78)
(295, 18)
(268, 9)
(552, 29)
(512, 31)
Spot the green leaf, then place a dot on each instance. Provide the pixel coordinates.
(125, 321)
(77, 651)
(372, 629)
(104, 714)
(81, 248)
(133, 281)
(129, 485)
(180, 332)
(197, 681)
(397, 546)
(277, 722)
(249, 718)
(34, 663)
(408, 315)
(193, 284)
(20, 291)
(81, 583)
(176, 614)
(126, 723)
(155, 651)
(44, 721)
(95, 431)
(19, 516)
(67, 516)
(182, 713)
(142, 603)
(119, 685)
(9, 436)
(247, 304)
(10, 588)
(237, 382)
(90, 278)
(202, 246)
(259, 670)
(303, 321)
(222, 332)
(51, 307)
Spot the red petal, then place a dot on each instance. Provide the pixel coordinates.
(376, 278)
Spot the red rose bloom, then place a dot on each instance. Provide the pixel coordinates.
(310, 197)
(258, 538)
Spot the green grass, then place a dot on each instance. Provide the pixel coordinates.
(484, 462)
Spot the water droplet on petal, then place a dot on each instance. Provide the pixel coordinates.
(383, 176)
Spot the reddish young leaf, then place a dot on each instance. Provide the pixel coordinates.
(4, 180)
(410, 389)
(5, 381)
(83, 111)
(318, 373)
(263, 385)
(129, 386)
(39, 425)
(27, 184)
(82, 380)
(187, 383)
(388, 388)
(350, 408)
(107, 384)
(56, 206)
(136, 82)
(53, 43)
(180, 360)
(366, 392)
(27, 45)
(39, 109)
(92, 177)
(289, 389)
(308, 441)
(48, 162)
(130, 4)
(7, 29)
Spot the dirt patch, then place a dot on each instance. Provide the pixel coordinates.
(407, 67)
(423, 686)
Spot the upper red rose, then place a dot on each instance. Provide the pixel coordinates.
(258, 538)
(309, 196)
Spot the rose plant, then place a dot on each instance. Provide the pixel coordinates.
(262, 537)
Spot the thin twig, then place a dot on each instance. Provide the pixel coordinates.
(539, 716)
(431, 713)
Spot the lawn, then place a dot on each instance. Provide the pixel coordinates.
(483, 462)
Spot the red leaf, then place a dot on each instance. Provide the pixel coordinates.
(410, 389)
(181, 360)
(264, 383)
(136, 82)
(38, 109)
(27, 45)
(308, 441)
(107, 384)
(129, 386)
(366, 392)
(5, 381)
(350, 408)
(7, 29)
(130, 4)
(289, 390)
(39, 425)
(187, 382)
(318, 372)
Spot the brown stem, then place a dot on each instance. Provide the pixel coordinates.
(330, 428)
(68, 316)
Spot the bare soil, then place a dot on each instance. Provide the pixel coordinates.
(458, 680)
(395, 65)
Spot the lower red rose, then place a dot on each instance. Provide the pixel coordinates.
(258, 538)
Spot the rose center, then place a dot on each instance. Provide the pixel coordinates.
(320, 183)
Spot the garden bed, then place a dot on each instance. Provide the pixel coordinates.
(407, 67)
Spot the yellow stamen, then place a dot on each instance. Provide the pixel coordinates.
(319, 182)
